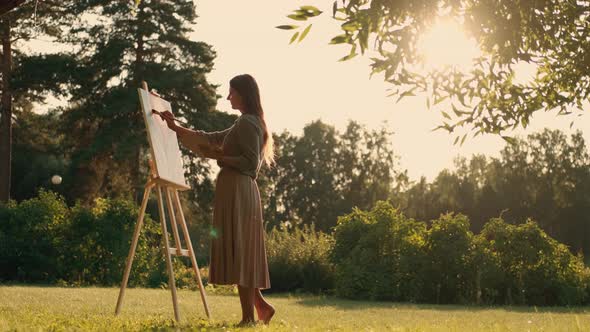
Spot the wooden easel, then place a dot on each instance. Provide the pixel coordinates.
(172, 203)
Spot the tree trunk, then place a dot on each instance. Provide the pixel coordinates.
(139, 67)
(6, 120)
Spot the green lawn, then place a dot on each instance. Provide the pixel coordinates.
(57, 309)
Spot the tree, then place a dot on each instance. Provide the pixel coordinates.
(121, 45)
(324, 174)
(310, 176)
(553, 35)
(26, 22)
(6, 125)
(37, 154)
(544, 176)
(369, 167)
(549, 174)
(276, 183)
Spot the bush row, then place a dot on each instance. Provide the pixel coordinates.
(378, 254)
(382, 255)
(43, 240)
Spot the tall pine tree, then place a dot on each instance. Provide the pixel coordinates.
(122, 43)
(28, 77)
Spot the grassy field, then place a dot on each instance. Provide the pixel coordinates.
(56, 309)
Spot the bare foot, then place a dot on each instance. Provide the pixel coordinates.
(265, 313)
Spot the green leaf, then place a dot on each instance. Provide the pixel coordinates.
(463, 139)
(334, 8)
(445, 126)
(446, 115)
(314, 10)
(456, 140)
(406, 94)
(348, 57)
(340, 39)
(297, 17)
(350, 26)
(428, 102)
(305, 32)
(510, 140)
(363, 38)
(461, 97)
(437, 128)
(287, 27)
(294, 37)
(394, 93)
(456, 111)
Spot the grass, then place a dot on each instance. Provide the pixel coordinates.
(25, 308)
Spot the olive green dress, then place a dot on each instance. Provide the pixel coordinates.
(238, 253)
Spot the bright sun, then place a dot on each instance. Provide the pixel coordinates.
(447, 45)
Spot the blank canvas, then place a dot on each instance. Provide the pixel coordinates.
(163, 142)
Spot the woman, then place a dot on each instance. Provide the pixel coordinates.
(238, 253)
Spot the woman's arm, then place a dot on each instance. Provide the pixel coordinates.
(195, 140)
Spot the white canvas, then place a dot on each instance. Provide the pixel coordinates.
(163, 142)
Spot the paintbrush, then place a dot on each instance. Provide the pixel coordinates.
(175, 119)
(155, 93)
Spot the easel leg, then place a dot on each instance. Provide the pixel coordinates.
(173, 221)
(191, 252)
(146, 195)
(171, 282)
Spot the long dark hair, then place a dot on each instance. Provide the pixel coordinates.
(247, 88)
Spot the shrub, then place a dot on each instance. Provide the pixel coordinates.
(42, 240)
(382, 255)
(532, 268)
(298, 259)
(32, 238)
(451, 272)
(379, 255)
(100, 242)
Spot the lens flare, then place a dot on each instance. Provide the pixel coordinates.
(213, 233)
(446, 44)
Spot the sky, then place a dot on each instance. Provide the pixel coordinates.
(300, 83)
(304, 82)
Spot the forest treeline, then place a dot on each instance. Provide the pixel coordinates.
(324, 173)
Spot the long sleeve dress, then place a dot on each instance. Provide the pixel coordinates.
(238, 253)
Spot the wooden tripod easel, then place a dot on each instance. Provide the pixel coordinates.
(172, 203)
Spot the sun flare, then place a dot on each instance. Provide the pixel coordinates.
(446, 44)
